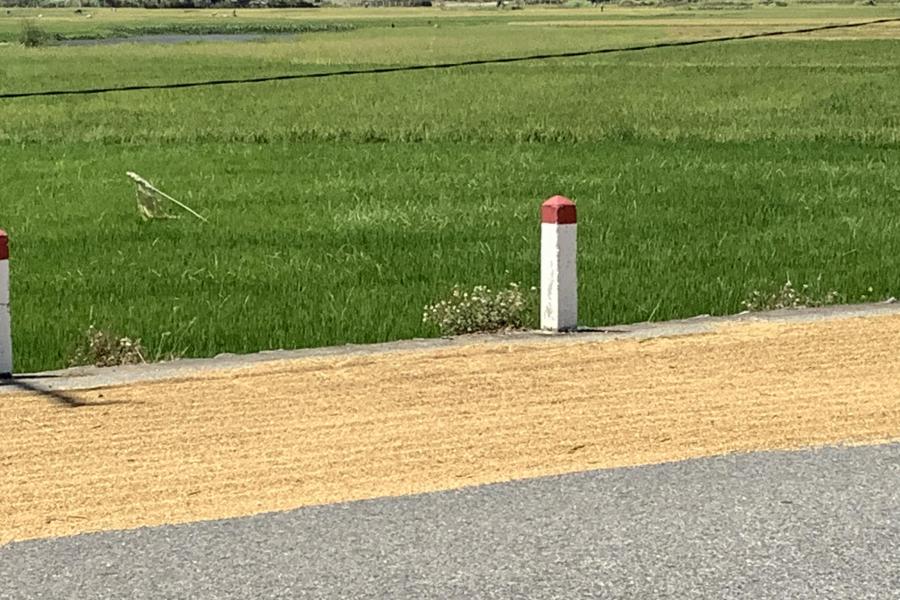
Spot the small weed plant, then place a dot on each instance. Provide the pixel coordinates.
(790, 297)
(481, 310)
(32, 36)
(103, 349)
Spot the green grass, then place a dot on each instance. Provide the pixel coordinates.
(340, 207)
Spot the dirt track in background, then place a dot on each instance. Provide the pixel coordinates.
(281, 435)
(709, 27)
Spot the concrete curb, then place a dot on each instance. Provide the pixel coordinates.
(80, 378)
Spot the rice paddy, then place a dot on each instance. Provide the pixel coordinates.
(340, 207)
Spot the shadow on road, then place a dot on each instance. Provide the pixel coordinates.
(57, 396)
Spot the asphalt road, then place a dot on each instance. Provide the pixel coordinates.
(812, 524)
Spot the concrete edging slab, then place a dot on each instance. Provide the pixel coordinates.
(79, 378)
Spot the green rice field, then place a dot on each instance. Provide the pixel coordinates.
(338, 208)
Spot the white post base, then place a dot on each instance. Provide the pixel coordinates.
(559, 277)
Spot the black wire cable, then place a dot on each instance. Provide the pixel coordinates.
(438, 66)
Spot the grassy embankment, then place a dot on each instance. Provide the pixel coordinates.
(339, 207)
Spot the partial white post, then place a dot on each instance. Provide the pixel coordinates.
(559, 277)
(6, 366)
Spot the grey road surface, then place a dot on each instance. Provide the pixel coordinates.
(811, 524)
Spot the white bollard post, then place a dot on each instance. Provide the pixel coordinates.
(559, 278)
(6, 366)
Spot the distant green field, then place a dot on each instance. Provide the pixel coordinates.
(340, 207)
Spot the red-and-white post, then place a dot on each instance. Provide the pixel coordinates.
(6, 366)
(559, 277)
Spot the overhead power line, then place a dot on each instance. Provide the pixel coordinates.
(438, 66)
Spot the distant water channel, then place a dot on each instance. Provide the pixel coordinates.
(176, 38)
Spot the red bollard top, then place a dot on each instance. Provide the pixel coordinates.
(558, 210)
(4, 245)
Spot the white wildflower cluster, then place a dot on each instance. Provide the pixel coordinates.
(102, 349)
(482, 309)
(789, 297)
